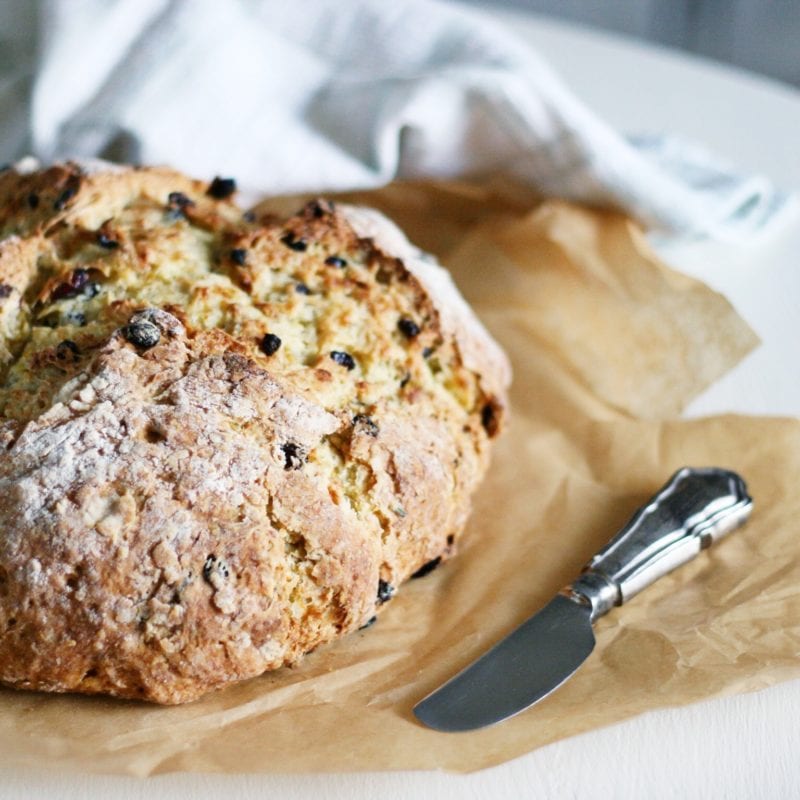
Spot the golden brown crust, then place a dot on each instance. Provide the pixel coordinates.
(182, 502)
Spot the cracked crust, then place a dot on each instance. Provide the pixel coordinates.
(182, 504)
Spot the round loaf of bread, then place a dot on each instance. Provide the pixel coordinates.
(225, 438)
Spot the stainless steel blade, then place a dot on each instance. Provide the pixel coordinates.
(527, 665)
(694, 509)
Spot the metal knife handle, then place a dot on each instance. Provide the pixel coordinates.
(694, 509)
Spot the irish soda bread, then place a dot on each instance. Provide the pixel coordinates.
(224, 438)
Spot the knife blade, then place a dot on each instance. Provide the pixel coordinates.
(696, 507)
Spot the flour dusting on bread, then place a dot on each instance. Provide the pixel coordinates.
(226, 438)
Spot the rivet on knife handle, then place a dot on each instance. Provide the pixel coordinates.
(695, 508)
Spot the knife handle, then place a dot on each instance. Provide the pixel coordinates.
(695, 508)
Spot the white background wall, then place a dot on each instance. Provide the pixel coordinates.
(760, 35)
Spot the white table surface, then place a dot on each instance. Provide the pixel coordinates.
(738, 747)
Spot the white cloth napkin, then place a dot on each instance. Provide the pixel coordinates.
(297, 95)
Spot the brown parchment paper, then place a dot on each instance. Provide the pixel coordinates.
(607, 346)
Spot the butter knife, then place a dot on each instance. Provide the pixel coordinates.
(693, 510)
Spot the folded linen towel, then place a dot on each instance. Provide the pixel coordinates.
(322, 95)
